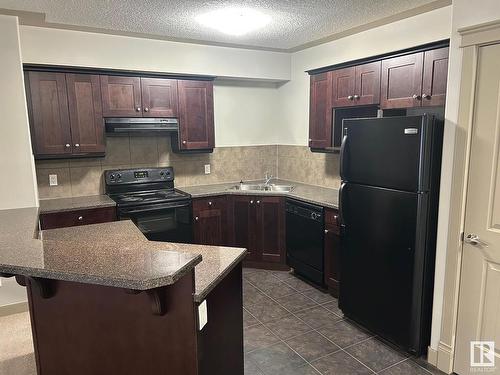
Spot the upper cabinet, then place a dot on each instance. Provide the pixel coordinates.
(407, 80)
(357, 85)
(320, 114)
(121, 96)
(196, 115)
(159, 97)
(415, 80)
(65, 114)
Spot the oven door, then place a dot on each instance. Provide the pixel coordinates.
(170, 222)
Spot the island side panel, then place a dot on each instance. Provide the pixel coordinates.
(90, 329)
(220, 342)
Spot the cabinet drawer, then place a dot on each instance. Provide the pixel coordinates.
(77, 217)
(331, 218)
(209, 203)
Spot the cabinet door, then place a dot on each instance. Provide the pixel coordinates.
(210, 221)
(367, 90)
(245, 225)
(343, 87)
(402, 81)
(121, 96)
(85, 113)
(48, 108)
(159, 97)
(435, 77)
(320, 111)
(271, 220)
(332, 252)
(196, 115)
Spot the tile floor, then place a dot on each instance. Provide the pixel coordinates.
(294, 329)
(290, 328)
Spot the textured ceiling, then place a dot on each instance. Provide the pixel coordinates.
(294, 23)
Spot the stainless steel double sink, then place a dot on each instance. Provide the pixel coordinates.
(262, 187)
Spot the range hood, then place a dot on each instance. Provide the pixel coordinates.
(141, 124)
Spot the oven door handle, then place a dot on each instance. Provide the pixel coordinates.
(155, 208)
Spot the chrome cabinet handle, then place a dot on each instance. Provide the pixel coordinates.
(209, 203)
(138, 109)
(417, 97)
(426, 96)
(146, 109)
(474, 240)
(184, 142)
(77, 144)
(80, 218)
(67, 145)
(326, 231)
(356, 97)
(258, 202)
(251, 202)
(197, 218)
(350, 97)
(336, 217)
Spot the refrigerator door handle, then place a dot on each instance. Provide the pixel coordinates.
(341, 215)
(342, 157)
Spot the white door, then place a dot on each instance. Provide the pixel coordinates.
(479, 300)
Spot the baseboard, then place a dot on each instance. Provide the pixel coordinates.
(432, 356)
(445, 358)
(14, 308)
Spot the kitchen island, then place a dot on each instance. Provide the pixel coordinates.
(105, 300)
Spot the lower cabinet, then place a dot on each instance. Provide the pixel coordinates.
(258, 224)
(332, 251)
(210, 221)
(74, 218)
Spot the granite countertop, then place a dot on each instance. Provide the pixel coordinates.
(75, 203)
(308, 193)
(113, 254)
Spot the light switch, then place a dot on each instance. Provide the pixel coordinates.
(207, 168)
(202, 315)
(52, 180)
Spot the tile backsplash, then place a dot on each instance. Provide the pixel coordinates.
(80, 177)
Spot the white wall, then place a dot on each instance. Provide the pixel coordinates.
(236, 103)
(18, 187)
(18, 184)
(413, 31)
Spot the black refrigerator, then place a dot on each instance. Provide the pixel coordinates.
(388, 202)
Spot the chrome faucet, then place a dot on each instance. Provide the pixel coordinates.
(268, 178)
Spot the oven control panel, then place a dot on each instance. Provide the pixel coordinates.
(138, 176)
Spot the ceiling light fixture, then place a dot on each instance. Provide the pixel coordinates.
(234, 21)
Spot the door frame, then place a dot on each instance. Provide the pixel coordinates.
(471, 39)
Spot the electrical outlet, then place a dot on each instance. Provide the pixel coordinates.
(202, 315)
(52, 180)
(207, 168)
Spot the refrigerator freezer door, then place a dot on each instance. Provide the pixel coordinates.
(391, 152)
(378, 261)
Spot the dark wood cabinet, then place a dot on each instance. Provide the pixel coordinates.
(320, 111)
(367, 85)
(159, 97)
(77, 217)
(332, 251)
(49, 117)
(196, 115)
(85, 113)
(357, 85)
(343, 87)
(210, 221)
(244, 225)
(258, 224)
(121, 96)
(65, 115)
(435, 77)
(402, 81)
(271, 228)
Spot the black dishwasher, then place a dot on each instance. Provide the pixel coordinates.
(305, 230)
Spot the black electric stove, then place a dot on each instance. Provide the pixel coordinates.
(148, 197)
